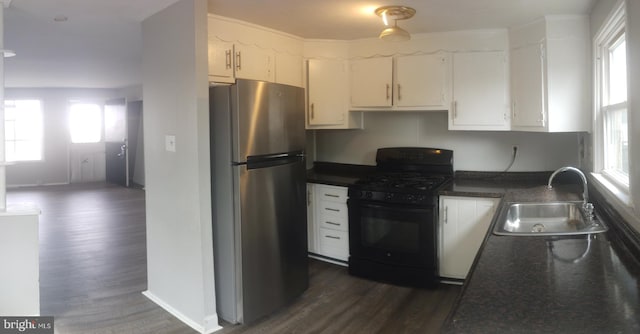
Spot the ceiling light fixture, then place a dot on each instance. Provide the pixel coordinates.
(395, 13)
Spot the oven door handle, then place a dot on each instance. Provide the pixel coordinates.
(387, 206)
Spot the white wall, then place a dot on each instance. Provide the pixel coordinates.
(473, 150)
(55, 166)
(178, 184)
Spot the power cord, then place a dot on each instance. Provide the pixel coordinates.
(513, 159)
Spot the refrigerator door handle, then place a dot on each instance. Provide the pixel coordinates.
(271, 160)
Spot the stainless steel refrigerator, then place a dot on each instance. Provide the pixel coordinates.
(259, 198)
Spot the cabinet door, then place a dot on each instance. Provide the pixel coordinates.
(528, 86)
(311, 223)
(289, 69)
(480, 94)
(327, 92)
(253, 63)
(421, 81)
(371, 82)
(221, 62)
(463, 225)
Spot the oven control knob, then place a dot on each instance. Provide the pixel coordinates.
(368, 194)
(388, 254)
(388, 197)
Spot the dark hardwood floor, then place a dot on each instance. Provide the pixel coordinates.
(93, 264)
(93, 270)
(339, 303)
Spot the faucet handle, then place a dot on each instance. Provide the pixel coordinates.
(588, 210)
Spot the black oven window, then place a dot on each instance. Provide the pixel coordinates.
(390, 235)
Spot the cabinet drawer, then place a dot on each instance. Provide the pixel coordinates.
(334, 223)
(331, 193)
(334, 243)
(333, 211)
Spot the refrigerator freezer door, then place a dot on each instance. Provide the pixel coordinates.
(273, 231)
(266, 118)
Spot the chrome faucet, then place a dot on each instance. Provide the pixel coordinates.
(586, 206)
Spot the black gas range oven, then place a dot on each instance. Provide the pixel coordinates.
(393, 216)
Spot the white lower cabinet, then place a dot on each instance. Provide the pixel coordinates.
(328, 221)
(463, 224)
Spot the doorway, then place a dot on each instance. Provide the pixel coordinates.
(108, 147)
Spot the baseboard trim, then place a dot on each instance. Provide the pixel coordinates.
(10, 186)
(210, 322)
(328, 259)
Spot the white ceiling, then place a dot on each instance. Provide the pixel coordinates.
(100, 44)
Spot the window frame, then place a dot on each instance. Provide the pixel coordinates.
(609, 34)
(12, 141)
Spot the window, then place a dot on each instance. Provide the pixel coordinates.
(85, 122)
(611, 101)
(23, 130)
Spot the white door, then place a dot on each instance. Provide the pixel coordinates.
(464, 223)
(480, 94)
(371, 82)
(420, 81)
(528, 86)
(327, 99)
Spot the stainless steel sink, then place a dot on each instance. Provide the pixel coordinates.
(540, 219)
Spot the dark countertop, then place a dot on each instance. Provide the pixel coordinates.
(583, 284)
(337, 174)
(550, 284)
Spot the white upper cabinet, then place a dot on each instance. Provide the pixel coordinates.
(328, 95)
(550, 75)
(289, 69)
(417, 82)
(228, 61)
(241, 51)
(480, 91)
(221, 62)
(421, 81)
(371, 82)
(254, 63)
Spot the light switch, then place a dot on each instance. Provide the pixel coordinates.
(170, 143)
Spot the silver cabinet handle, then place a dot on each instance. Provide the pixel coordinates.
(446, 214)
(332, 237)
(332, 195)
(227, 58)
(312, 111)
(388, 92)
(454, 106)
(332, 223)
(399, 95)
(332, 209)
(238, 61)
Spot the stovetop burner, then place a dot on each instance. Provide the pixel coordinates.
(406, 176)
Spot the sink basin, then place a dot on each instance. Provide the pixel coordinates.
(540, 219)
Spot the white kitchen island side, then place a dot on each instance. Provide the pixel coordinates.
(19, 276)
